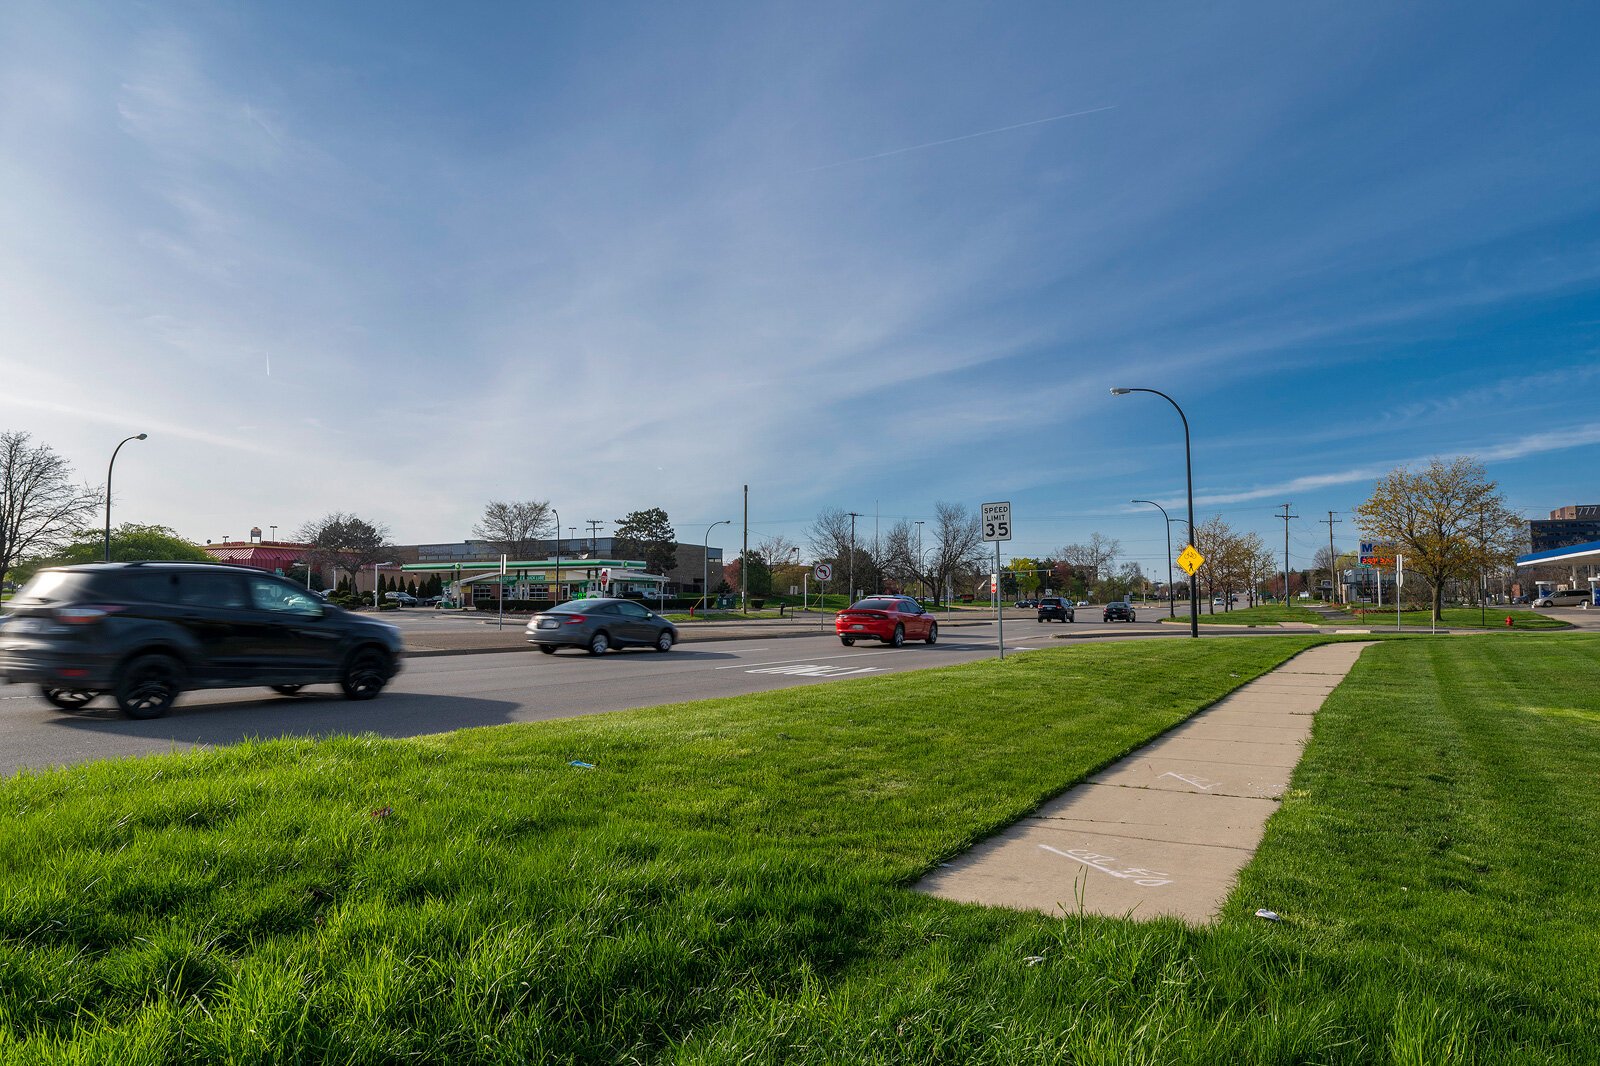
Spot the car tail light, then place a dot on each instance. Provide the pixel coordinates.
(575, 619)
(83, 616)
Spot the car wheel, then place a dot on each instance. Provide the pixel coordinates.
(848, 642)
(548, 649)
(598, 644)
(287, 690)
(148, 686)
(899, 638)
(933, 634)
(68, 699)
(365, 675)
(664, 641)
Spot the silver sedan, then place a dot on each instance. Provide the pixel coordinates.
(599, 625)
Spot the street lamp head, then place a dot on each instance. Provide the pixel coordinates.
(1120, 392)
(142, 436)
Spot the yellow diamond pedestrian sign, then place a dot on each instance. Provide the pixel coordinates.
(1189, 560)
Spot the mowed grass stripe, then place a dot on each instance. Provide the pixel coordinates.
(728, 885)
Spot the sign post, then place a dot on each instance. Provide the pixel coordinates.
(822, 572)
(996, 519)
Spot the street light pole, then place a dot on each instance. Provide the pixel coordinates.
(555, 593)
(705, 562)
(1172, 609)
(1188, 472)
(375, 568)
(109, 467)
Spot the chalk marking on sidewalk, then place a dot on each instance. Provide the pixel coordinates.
(1191, 781)
(1094, 860)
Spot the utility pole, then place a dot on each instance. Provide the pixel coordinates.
(853, 516)
(744, 557)
(1333, 582)
(922, 579)
(1286, 516)
(594, 527)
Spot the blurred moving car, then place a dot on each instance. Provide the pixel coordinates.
(891, 619)
(598, 625)
(1118, 612)
(1056, 609)
(147, 632)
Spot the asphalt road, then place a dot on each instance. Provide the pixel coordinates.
(443, 693)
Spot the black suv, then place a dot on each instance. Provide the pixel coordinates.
(147, 631)
(1054, 608)
(1118, 611)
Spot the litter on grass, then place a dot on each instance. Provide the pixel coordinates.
(1271, 916)
(381, 812)
(581, 765)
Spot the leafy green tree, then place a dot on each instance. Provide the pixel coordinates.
(130, 542)
(1448, 520)
(758, 576)
(647, 535)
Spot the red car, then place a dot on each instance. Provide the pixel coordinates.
(891, 619)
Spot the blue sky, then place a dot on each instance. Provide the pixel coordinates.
(402, 259)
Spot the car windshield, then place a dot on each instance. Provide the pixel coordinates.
(876, 605)
(574, 607)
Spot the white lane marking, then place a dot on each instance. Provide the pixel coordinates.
(1191, 781)
(818, 670)
(813, 658)
(1137, 874)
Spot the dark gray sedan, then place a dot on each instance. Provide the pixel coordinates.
(599, 625)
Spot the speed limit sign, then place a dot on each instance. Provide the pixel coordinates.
(822, 572)
(997, 521)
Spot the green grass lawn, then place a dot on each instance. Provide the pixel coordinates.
(1465, 618)
(1265, 614)
(727, 883)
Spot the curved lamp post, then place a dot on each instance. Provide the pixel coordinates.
(555, 593)
(705, 562)
(109, 466)
(1172, 608)
(1188, 473)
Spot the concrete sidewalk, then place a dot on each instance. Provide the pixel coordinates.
(1165, 830)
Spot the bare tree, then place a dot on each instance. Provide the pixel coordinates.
(346, 542)
(899, 561)
(776, 550)
(1098, 557)
(830, 540)
(515, 528)
(958, 545)
(40, 508)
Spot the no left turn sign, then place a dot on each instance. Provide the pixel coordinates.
(822, 572)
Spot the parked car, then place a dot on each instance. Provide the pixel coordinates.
(891, 619)
(1056, 609)
(147, 632)
(404, 599)
(1564, 598)
(1118, 612)
(598, 625)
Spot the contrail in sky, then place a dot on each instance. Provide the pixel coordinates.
(963, 137)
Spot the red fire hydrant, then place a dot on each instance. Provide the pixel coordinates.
(1508, 621)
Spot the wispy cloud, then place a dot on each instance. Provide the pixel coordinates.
(964, 137)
